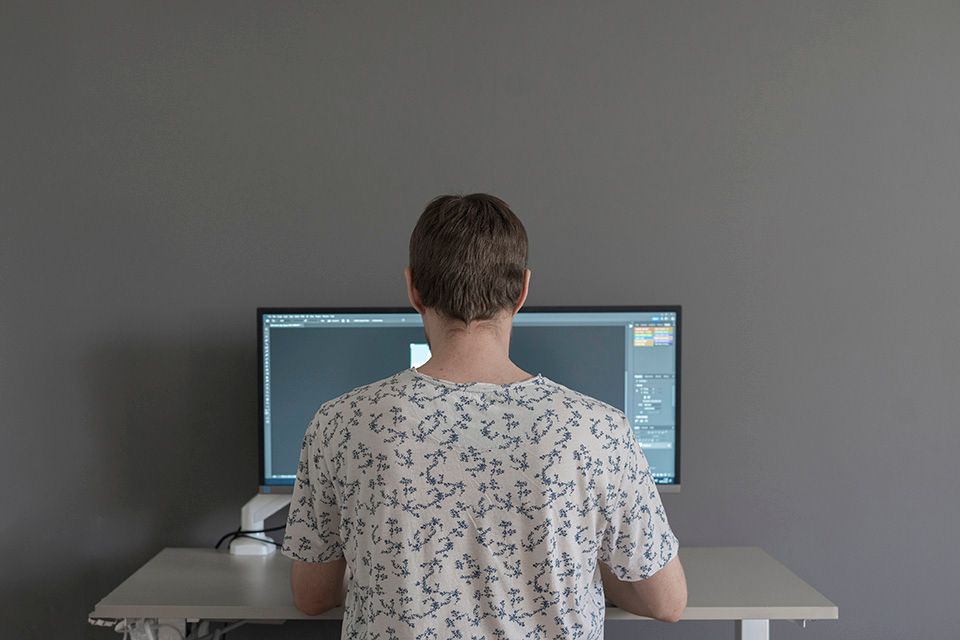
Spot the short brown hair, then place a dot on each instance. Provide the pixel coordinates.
(468, 255)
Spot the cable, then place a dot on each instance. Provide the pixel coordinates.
(221, 633)
(267, 540)
(243, 534)
(240, 532)
(231, 627)
(220, 541)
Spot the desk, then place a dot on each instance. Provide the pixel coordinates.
(741, 584)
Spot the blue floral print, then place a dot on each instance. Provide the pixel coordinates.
(475, 510)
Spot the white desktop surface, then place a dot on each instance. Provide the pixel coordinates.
(724, 583)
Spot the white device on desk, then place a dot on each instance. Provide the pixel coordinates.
(253, 517)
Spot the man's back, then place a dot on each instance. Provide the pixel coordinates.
(475, 510)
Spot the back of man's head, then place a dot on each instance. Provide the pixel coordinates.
(468, 255)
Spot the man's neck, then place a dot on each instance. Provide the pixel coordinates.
(477, 354)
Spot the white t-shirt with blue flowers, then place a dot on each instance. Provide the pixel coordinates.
(475, 510)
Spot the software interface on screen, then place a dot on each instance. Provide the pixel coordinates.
(627, 359)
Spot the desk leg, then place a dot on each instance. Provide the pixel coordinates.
(753, 630)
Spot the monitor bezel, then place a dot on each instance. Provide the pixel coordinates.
(677, 309)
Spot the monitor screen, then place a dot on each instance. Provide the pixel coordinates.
(628, 357)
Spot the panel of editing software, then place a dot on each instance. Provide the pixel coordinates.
(627, 359)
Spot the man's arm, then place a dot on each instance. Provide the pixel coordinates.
(312, 539)
(662, 596)
(318, 587)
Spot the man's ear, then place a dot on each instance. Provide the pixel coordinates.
(412, 294)
(523, 292)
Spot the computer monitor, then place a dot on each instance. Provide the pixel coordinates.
(628, 357)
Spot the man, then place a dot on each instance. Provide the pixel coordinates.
(469, 498)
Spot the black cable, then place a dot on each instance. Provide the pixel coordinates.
(220, 541)
(241, 533)
(273, 542)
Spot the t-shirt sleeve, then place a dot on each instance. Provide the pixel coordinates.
(637, 540)
(313, 523)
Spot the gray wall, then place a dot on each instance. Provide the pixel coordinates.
(788, 171)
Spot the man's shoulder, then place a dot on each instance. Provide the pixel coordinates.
(372, 392)
(349, 406)
(588, 419)
(585, 404)
(400, 389)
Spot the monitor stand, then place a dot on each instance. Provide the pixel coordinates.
(252, 518)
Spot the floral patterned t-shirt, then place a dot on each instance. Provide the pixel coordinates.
(475, 510)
